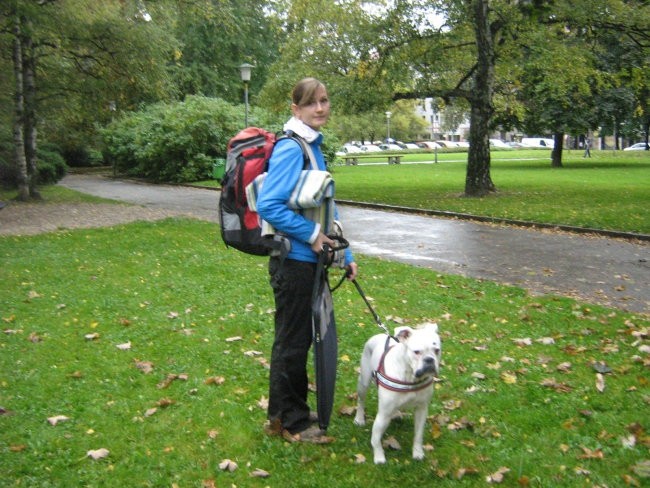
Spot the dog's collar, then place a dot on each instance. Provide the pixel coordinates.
(394, 384)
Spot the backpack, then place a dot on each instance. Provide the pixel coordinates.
(248, 155)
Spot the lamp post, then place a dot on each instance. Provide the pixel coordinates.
(245, 70)
(388, 114)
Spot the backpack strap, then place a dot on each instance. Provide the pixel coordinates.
(307, 151)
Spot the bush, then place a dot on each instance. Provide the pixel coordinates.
(50, 165)
(172, 142)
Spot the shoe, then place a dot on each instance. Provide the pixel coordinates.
(313, 435)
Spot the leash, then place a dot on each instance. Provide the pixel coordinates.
(342, 244)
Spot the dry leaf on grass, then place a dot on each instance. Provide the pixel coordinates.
(497, 476)
(260, 473)
(600, 382)
(359, 458)
(98, 453)
(56, 419)
(145, 366)
(392, 443)
(124, 347)
(215, 380)
(228, 465)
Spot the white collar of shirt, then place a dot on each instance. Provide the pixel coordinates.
(302, 129)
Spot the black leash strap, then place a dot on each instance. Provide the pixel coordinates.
(372, 310)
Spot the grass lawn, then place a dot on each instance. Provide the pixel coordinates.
(151, 341)
(609, 191)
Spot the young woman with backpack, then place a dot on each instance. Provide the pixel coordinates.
(293, 277)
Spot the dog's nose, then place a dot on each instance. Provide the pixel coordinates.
(428, 360)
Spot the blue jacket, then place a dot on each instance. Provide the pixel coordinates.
(285, 166)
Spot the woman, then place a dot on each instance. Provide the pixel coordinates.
(292, 278)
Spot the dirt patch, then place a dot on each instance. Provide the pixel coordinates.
(35, 218)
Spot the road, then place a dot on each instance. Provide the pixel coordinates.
(611, 272)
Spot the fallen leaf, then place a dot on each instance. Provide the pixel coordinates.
(56, 419)
(170, 378)
(547, 341)
(466, 471)
(215, 380)
(497, 476)
(150, 412)
(260, 473)
(347, 410)
(359, 458)
(91, 337)
(523, 341)
(98, 453)
(508, 377)
(600, 382)
(591, 454)
(124, 347)
(478, 376)
(145, 366)
(392, 443)
(628, 442)
(228, 465)
(564, 367)
(233, 339)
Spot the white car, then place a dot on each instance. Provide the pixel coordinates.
(429, 145)
(639, 146)
(498, 143)
(390, 147)
(369, 148)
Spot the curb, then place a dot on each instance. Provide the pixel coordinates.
(498, 220)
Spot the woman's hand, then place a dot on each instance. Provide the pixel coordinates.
(321, 240)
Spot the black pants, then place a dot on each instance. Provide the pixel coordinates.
(292, 283)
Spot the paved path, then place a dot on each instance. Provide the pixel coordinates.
(611, 272)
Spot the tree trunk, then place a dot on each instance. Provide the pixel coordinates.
(556, 153)
(478, 181)
(19, 141)
(30, 130)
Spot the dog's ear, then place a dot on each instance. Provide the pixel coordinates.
(403, 333)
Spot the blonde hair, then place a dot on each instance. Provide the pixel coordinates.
(305, 91)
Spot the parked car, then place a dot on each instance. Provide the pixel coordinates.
(428, 145)
(639, 146)
(447, 143)
(370, 148)
(538, 142)
(515, 144)
(499, 144)
(411, 145)
(390, 147)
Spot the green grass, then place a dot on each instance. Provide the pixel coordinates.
(173, 291)
(610, 191)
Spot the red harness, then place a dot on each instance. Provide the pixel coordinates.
(394, 384)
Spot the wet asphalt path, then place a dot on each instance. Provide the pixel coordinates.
(601, 270)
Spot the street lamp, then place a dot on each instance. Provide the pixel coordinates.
(388, 114)
(245, 70)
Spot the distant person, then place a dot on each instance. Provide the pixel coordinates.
(587, 153)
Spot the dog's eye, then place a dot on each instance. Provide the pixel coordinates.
(417, 353)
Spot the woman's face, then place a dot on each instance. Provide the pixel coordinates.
(315, 113)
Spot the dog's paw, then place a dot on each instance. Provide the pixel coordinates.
(418, 454)
(380, 458)
(359, 421)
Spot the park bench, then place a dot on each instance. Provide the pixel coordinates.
(353, 159)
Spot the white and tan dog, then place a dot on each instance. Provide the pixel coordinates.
(404, 370)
